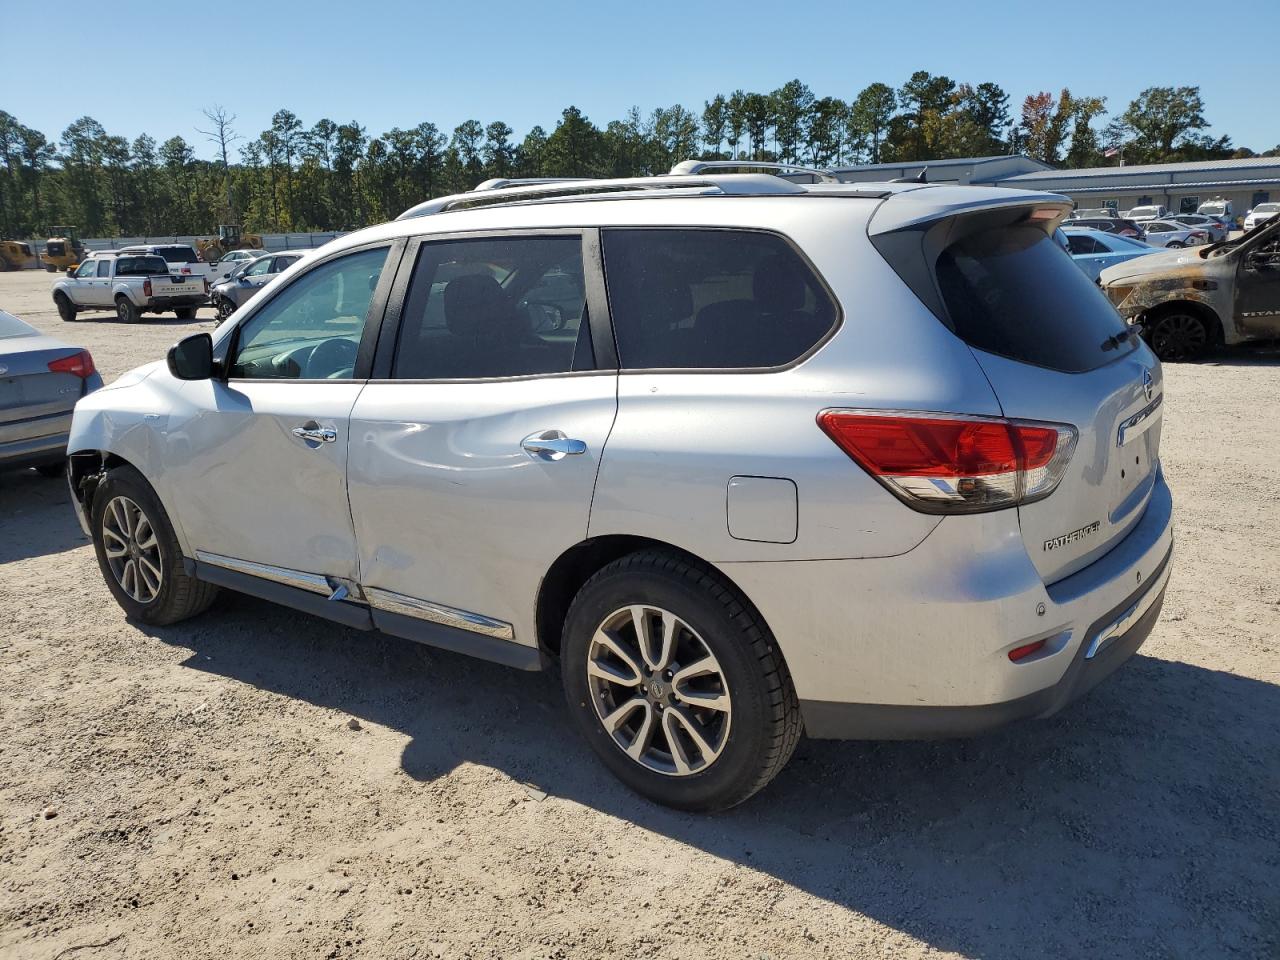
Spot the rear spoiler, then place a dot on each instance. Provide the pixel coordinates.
(911, 208)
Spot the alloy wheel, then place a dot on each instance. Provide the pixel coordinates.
(658, 690)
(1178, 336)
(133, 550)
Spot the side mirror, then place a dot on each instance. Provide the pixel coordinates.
(191, 358)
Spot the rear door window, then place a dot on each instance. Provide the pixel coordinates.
(495, 307)
(1009, 291)
(708, 299)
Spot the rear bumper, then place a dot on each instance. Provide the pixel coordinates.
(917, 645)
(847, 721)
(169, 303)
(31, 443)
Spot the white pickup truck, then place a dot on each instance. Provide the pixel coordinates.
(133, 285)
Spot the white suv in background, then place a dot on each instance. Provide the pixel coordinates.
(747, 457)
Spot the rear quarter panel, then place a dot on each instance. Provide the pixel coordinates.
(681, 436)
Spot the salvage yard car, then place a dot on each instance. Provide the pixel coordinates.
(1093, 250)
(131, 285)
(1190, 300)
(40, 381)
(746, 456)
(230, 294)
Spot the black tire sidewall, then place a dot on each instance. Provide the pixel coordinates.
(65, 309)
(731, 778)
(127, 482)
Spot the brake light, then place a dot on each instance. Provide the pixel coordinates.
(954, 464)
(146, 288)
(80, 364)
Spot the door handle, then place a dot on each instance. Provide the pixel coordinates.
(552, 445)
(314, 433)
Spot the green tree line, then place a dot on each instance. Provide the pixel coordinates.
(339, 176)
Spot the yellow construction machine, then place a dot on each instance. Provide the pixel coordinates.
(16, 255)
(229, 238)
(63, 249)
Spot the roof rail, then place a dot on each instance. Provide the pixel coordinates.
(692, 167)
(734, 185)
(494, 183)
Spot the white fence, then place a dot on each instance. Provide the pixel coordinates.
(270, 241)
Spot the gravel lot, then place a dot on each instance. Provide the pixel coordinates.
(257, 783)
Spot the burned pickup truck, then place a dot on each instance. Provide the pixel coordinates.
(1192, 299)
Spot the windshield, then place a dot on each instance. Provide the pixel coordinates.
(1267, 208)
(1213, 209)
(1144, 211)
(11, 326)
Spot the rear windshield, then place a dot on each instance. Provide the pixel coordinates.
(177, 254)
(1213, 209)
(1144, 211)
(140, 266)
(1012, 292)
(11, 326)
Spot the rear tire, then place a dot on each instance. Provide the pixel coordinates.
(666, 739)
(66, 309)
(185, 313)
(1178, 336)
(126, 311)
(139, 555)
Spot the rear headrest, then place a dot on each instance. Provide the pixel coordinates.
(778, 284)
(477, 306)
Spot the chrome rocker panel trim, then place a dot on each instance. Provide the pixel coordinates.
(392, 602)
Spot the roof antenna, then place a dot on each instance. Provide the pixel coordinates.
(918, 178)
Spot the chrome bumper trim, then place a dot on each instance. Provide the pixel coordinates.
(1140, 422)
(1132, 615)
(393, 602)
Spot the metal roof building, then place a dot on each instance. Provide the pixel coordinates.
(1178, 186)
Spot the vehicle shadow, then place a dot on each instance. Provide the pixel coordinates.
(36, 518)
(204, 314)
(1265, 353)
(1140, 822)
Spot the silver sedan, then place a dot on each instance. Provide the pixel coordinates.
(40, 381)
(230, 294)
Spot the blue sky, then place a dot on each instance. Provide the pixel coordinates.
(390, 63)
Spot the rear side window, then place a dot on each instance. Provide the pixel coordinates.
(1011, 292)
(697, 299)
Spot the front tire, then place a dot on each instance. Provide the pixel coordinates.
(66, 309)
(127, 311)
(677, 684)
(139, 555)
(1175, 245)
(225, 308)
(1177, 336)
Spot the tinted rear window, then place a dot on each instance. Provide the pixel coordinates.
(1010, 291)
(697, 299)
(140, 266)
(11, 326)
(177, 254)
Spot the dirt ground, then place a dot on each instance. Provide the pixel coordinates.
(199, 791)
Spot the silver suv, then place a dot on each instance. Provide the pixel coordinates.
(748, 457)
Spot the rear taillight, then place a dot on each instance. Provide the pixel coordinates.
(954, 464)
(146, 288)
(80, 364)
